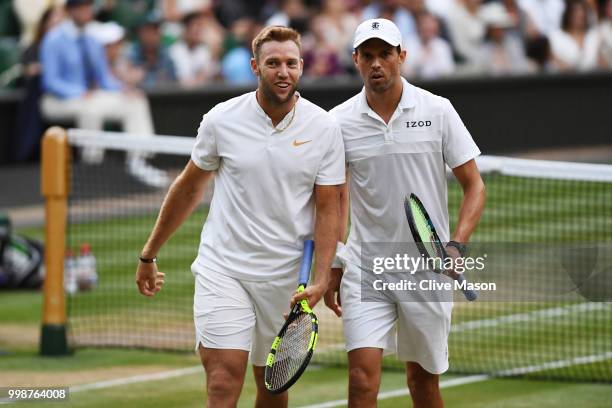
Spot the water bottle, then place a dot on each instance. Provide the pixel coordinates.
(70, 277)
(87, 276)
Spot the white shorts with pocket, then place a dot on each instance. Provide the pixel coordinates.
(232, 313)
(416, 331)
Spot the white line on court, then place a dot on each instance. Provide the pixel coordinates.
(514, 318)
(479, 378)
(163, 375)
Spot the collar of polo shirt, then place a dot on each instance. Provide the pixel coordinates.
(406, 101)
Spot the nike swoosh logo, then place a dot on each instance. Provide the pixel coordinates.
(296, 143)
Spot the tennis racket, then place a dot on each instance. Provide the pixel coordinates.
(295, 343)
(426, 237)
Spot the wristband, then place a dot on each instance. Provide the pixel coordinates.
(337, 262)
(147, 260)
(462, 248)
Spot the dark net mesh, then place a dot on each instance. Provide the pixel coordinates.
(113, 209)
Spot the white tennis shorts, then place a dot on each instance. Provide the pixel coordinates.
(232, 313)
(416, 331)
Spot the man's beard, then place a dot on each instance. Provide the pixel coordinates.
(272, 97)
(380, 88)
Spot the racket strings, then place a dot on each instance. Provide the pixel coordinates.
(426, 232)
(292, 351)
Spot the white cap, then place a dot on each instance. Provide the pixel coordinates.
(496, 15)
(107, 33)
(381, 28)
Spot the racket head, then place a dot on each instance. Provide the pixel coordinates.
(295, 343)
(292, 349)
(426, 238)
(422, 228)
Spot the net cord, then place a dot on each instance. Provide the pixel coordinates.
(509, 166)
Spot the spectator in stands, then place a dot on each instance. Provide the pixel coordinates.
(30, 58)
(175, 11)
(127, 13)
(335, 26)
(576, 44)
(151, 56)
(288, 12)
(236, 62)
(540, 55)
(24, 143)
(111, 35)
(78, 85)
(605, 32)
(544, 16)
(466, 30)
(501, 53)
(193, 60)
(520, 20)
(394, 11)
(29, 13)
(428, 55)
(320, 58)
(439, 8)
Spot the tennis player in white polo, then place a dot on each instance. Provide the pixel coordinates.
(275, 158)
(398, 139)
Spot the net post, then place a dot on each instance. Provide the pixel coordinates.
(55, 188)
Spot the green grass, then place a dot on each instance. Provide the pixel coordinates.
(550, 212)
(87, 359)
(317, 385)
(21, 307)
(514, 393)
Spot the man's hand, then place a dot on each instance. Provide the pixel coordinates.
(312, 294)
(332, 296)
(454, 254)
(149, 279)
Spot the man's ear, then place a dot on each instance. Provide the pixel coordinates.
(402, 56)
(254, 67)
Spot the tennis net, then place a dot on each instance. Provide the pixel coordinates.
(114, 203)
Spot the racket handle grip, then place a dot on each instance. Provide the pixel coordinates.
(470, 295)
(306, 262)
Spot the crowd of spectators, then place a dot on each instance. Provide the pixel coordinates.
(192, 43)
(91, 61)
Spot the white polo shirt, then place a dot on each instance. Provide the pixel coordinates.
(263, 204)
(388, 162)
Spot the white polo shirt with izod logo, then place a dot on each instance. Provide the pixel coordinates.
(263, 203)
(386, 162)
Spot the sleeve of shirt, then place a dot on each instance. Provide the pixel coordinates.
(204, 153)
(458, 147)
(331, 171)
(52, 81)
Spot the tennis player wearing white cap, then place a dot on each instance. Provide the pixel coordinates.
(398, 139)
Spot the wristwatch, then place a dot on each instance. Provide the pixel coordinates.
(462, 248)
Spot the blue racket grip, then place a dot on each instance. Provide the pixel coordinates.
(306, 262)
(469, 294)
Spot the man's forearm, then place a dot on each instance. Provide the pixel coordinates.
(326, 234)
(183, 196)
(344, 211)
(471, 209)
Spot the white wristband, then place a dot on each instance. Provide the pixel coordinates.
(337, 262)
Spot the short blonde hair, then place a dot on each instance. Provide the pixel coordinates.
(275, 33)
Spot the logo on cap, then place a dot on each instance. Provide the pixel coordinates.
(375, 25)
